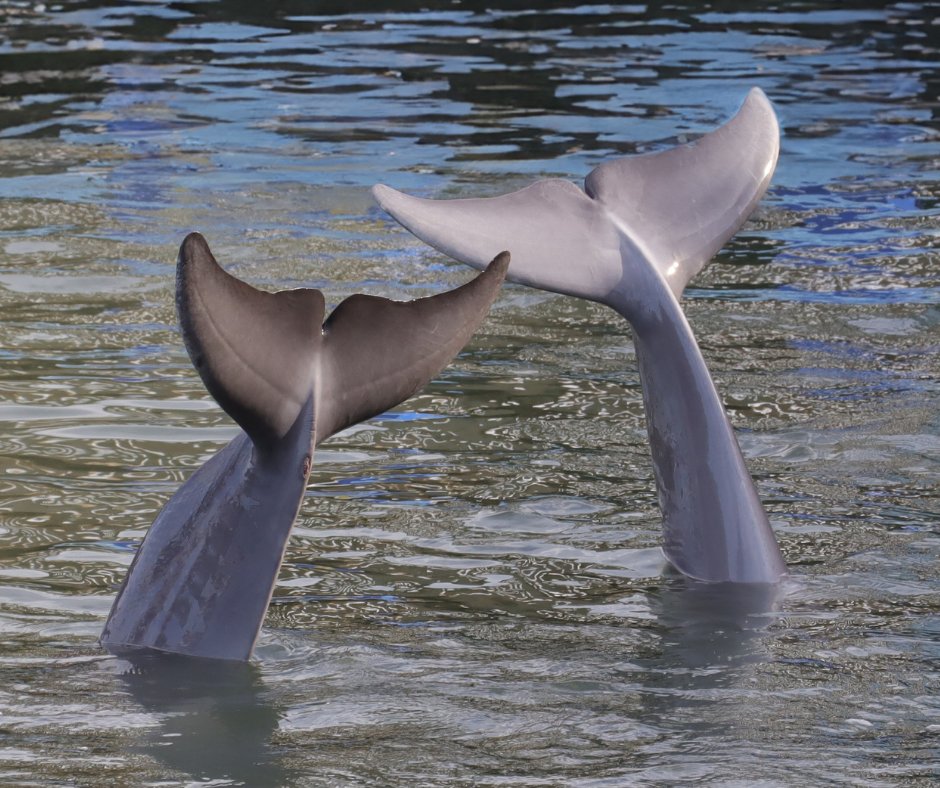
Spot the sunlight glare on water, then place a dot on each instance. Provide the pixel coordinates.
(474, 592)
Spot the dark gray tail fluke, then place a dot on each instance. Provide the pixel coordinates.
(261, 355)
(203, 576)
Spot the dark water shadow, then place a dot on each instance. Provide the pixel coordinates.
(217, 719)
(712, 639)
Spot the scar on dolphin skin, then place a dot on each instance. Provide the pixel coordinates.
(203, 576)
(632, 240)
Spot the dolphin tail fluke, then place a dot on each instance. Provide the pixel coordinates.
(261, 355)
(253, 350)
(659, 208)
(378, 352)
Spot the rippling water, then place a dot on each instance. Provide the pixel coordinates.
(474, 593)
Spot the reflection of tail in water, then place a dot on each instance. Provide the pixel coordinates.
(707, 624)
(202, 579)
(214, 720)
(643, 227)
(698, 684)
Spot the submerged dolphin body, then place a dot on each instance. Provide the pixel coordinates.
(203, 576)
(641, 229)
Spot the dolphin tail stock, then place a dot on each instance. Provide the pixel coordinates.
(203, 577)
(643, 227)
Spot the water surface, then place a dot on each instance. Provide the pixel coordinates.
(473, 593)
